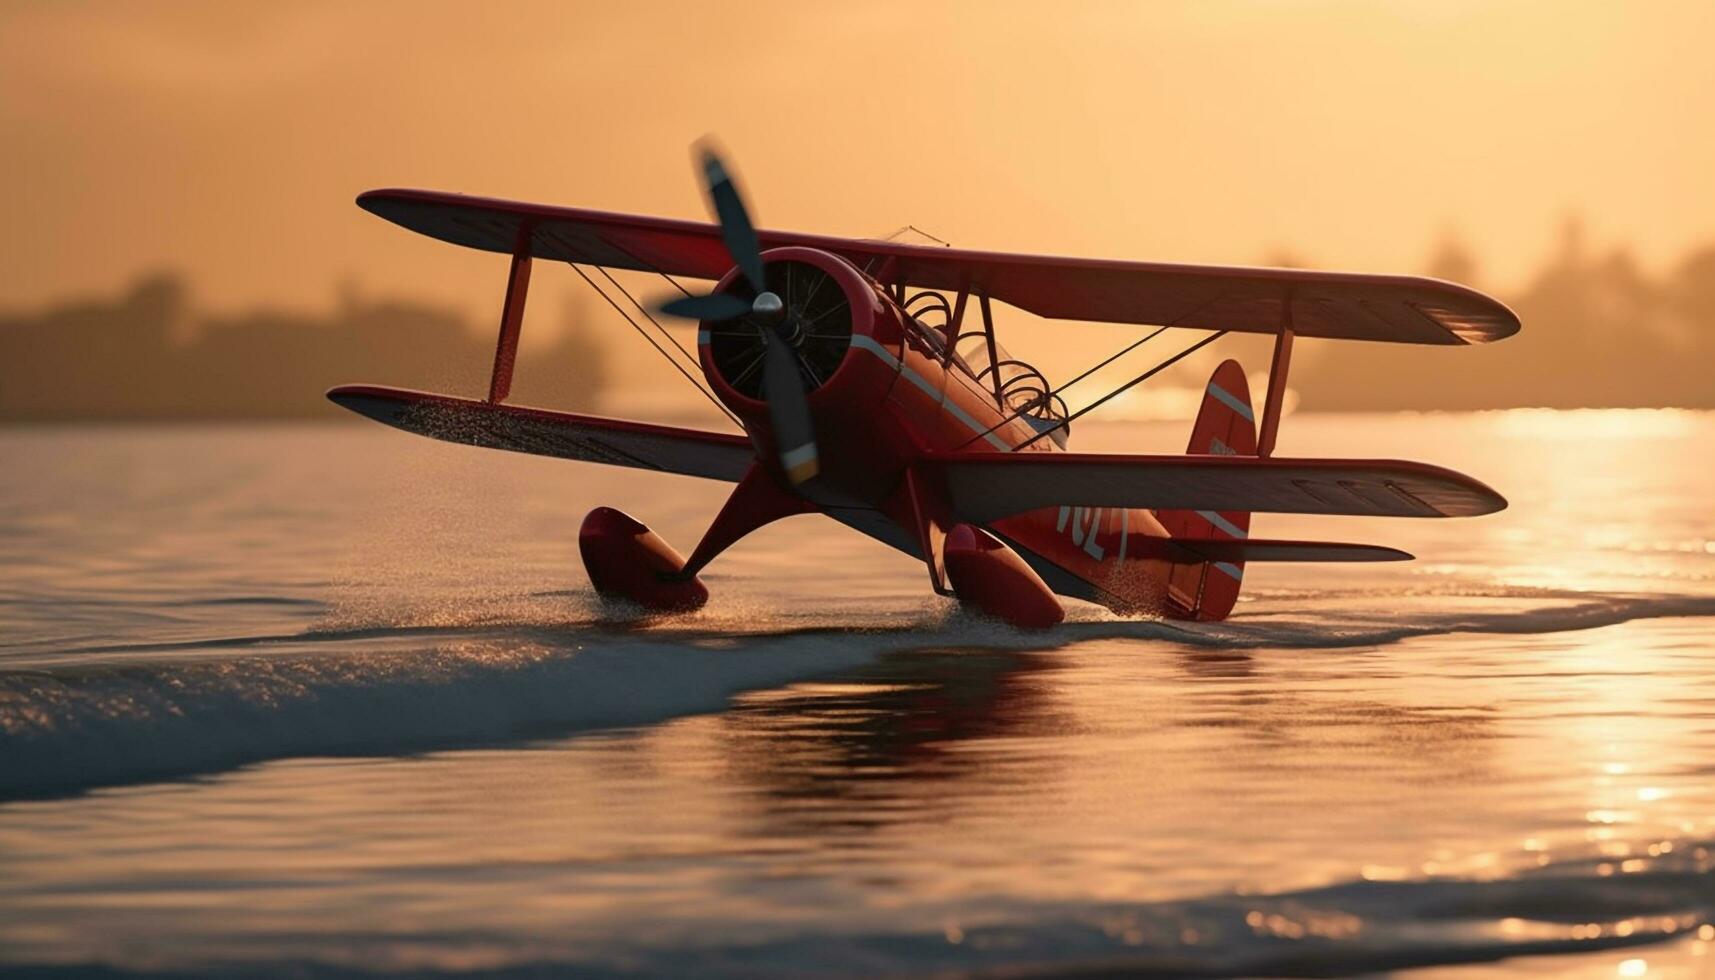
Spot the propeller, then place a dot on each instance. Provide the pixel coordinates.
(782, 385)
(715, 306)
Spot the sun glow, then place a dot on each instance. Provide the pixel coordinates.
(1586, 424)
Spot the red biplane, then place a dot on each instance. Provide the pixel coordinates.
(867, 393)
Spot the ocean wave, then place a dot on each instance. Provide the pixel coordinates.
(402, 689)
(202, 706)
(1359, 626)
(1346, 929)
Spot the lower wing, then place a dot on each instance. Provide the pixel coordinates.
(714, 455)
(985, 487)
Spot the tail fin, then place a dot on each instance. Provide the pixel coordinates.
(1225, 426)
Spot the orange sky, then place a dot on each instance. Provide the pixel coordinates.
(228, 140)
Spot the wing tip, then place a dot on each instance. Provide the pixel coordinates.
(370, 401)
(1486, 499)
(1470, 497)
(1499, 503)
(1472, 316)
(373, 199)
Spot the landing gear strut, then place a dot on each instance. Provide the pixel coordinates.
(626, 560)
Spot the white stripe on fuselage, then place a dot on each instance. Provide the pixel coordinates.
(868, 343)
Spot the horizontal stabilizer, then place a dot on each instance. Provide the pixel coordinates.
(541, 432)
(986, 487)
(1337, 305)
(1256, 549)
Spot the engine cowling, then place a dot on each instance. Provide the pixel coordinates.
(845, 333)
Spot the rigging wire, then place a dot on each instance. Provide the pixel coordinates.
(647, 315)
(1056, 392)
(653, 343)
(670, 279)
(1164, 365)
(902, 229)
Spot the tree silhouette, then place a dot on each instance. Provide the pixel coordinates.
(145, 355)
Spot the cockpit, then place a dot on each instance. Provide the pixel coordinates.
(1018, 388)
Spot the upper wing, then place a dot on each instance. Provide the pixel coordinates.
(986, 487)
(714, 455)
(1346, 306)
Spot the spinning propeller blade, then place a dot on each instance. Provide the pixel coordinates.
(736, 229)
(789, 410)
(782, 385)
(715, 306)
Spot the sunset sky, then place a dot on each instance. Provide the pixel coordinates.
(228, 140)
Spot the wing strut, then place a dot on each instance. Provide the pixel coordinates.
(511, 320)
(1276, 383)
(994, 354)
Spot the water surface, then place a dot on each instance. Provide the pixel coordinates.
(331, 700)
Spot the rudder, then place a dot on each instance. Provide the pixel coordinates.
(1225, 426)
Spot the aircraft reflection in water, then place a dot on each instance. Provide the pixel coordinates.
(904, 718)
(926, 732)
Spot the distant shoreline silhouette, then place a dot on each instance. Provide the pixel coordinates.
(146, 356)
(1599, 332)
